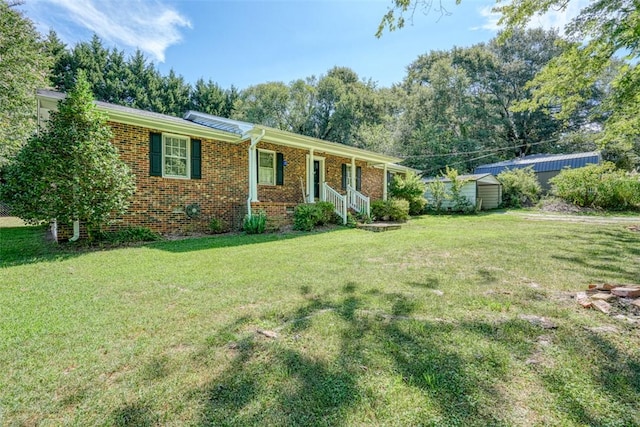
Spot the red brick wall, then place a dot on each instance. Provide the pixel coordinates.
(279, 214)
(294, 170)
(159, 203)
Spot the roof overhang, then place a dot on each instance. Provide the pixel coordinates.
(294, 140)
(483, 178)
(48, 100)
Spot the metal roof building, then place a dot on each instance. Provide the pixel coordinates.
(543, 162)
(546, 166)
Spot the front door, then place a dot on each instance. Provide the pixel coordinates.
(316, 178)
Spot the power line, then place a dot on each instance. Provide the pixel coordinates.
(484, 156)
(494, 150)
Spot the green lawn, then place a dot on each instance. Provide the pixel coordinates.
(419, 326)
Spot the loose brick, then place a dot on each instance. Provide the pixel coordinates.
(602, 306)
(604, 296)
(627, 291)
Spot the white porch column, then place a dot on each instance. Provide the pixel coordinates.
(385, 184)
(253, 173)
(353, 173)
(310, 186)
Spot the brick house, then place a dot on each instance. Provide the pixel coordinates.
(189, 170)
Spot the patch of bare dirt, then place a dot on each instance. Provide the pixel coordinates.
(560, 206)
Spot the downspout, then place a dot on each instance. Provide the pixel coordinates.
(76, 231)
(252, 171)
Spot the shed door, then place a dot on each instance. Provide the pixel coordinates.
(490, 195)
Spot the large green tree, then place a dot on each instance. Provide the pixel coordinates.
(458, 107)
(71, 170)
(602, 53)
(605, 42)
(23, 68)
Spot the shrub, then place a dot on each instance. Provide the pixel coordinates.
(309, 215)
(326, 213)
(439, 194)
(352, 221)
(390, 210)
(305, 217)
(410, 188)
(255, 224)
(216, 225)
(460, 202)
(520, 187)
(600, 186)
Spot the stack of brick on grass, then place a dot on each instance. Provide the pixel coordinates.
(608, 298)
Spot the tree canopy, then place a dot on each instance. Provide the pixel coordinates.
(23, 67)
(599, 61)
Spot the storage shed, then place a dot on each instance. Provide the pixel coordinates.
(483, 190)
(546, 166)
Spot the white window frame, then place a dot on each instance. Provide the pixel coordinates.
(187, 141)
(273, 154)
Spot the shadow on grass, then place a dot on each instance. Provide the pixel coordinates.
(134, 414)
(225, 241)
(29, 245)
(615, 377)
(600, 251)
(279, 383)
(460, 369)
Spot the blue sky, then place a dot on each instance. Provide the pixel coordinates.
(247, 42)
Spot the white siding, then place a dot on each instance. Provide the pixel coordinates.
(468, 190)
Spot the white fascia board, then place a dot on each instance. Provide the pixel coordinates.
(393, 167)
(49, 100)
(191, 129)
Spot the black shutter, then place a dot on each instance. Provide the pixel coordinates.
(257, 166)
(389, 179)
(279, 169)
(155, 154)
(344, 177)
(196, 159)
(358, 178)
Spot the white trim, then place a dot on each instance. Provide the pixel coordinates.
(310, 189)
(311, 196)
(275, 171)
(354, 169)
(385, 183)
(146, 119)
(188, 158)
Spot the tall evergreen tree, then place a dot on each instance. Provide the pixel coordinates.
(71, 170)
(23, 69)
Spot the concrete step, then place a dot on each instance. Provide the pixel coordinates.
(380, 226)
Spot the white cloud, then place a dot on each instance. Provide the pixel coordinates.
(148, 25)
(557, 19)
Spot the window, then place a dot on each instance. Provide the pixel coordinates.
(175, 156)
(266, 167)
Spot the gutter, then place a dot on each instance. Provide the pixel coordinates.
(252, 166)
